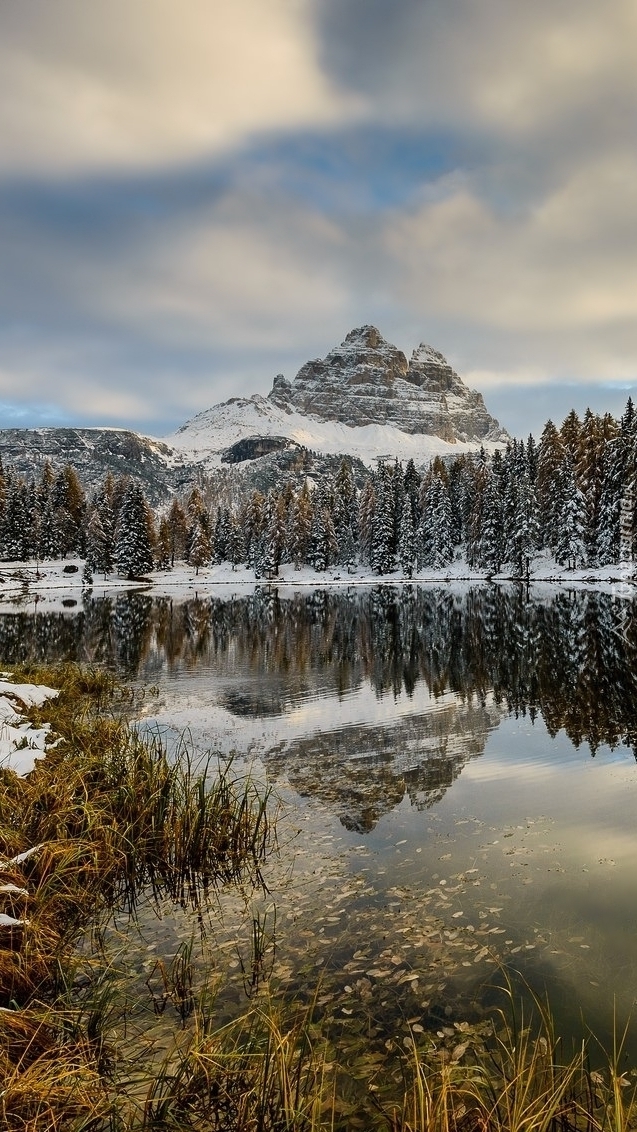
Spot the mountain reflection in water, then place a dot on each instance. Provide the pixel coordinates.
(570, 656)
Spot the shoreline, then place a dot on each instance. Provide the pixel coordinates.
(58, 584)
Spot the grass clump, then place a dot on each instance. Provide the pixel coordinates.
(102, 819)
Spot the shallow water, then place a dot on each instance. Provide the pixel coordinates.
(458, 782)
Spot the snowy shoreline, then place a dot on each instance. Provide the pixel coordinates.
(50, 586)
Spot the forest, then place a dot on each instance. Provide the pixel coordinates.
(562, 496)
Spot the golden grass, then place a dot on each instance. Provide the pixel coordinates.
(111, 818)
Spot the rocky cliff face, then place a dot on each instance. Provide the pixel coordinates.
(93, 452)
(367, 380)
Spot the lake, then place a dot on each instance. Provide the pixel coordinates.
(457, 778)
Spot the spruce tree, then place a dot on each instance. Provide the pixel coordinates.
(551, 455)
(406, 540)
(366, 513)
(236, 544)
(133, 541)
(570, 549)
(98, 550)
(382, 556)
(200, 548)
(490, 547)
(300, 527)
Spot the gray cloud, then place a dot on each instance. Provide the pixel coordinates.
(187, 212)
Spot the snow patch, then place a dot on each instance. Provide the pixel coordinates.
(20, 743)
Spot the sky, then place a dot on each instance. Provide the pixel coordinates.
(196, 195)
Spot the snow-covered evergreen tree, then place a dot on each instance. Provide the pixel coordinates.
(324, 546)
(435, 546)
(300, 527)
(551, 455)
(383, 555)
(200, 547)
(406, 539)
(98, 548)
(366, 512)
(274, 534)
(522, 532)
(222, 532)
(14, 534)
(571, 549)
(489, 549)
(236, 544)
(133, 541)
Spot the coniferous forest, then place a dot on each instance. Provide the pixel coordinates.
(562, 497)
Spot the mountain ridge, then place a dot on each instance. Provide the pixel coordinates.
(367, 380)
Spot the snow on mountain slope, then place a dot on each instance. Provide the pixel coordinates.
(364, 399)
(206, 437)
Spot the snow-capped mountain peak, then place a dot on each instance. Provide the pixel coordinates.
(363, 399)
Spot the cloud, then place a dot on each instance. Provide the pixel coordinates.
(196, 196)
(560, 275)
(129, 84)
(511, 68)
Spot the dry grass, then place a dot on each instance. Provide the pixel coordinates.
(112, 818)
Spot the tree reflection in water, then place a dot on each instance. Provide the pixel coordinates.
(571, 656)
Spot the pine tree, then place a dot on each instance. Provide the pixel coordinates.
(133, 541)
(324, 546)
(69, 505)
(382, 556)
(236, 544)
(366, 512)
(570, 549)
(434, 541)
(551, 455)
(274, 534)
(222, 531)
(412, 489)
(14, 535)
(300, 528)
(200, 548)
(522, 532)
(406, 540)
(588, 477)
(253, 531)
(607, 549)
(98, 549)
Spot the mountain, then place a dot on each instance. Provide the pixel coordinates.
(93, 452)
(364, 399)
(367, 381)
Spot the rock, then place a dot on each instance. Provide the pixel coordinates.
(253, 447)
(366, 380)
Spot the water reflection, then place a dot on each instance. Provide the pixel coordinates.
(571, 656)
(405, 715)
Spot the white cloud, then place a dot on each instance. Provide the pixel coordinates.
(561, 274)
(128, 84)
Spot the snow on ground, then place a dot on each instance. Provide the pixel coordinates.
(20, 743)
(46, 587)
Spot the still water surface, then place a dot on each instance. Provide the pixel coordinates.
(457, 775)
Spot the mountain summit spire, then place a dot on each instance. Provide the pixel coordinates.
(368, 381)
